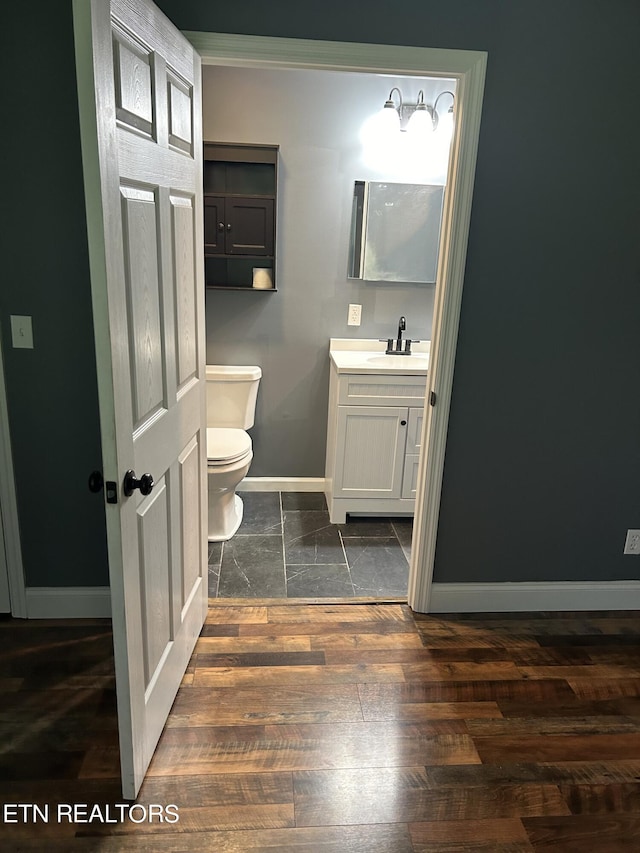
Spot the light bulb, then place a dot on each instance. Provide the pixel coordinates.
(420, 123)
(388, 120)
(445, 126)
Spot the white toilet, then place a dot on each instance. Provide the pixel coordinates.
(231, 404)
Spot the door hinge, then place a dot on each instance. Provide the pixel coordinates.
(432, 398)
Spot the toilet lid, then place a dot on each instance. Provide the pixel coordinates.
(227, 445)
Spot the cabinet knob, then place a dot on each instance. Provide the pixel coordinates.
(403, 423)
(229, 226)
(220, 226)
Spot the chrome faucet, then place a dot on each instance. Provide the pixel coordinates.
(402, 325)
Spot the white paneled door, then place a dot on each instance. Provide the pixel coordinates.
(139, 95)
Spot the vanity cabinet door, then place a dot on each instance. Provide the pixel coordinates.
(414, 430)
(412, 458)
(370, 450)
(410, 478)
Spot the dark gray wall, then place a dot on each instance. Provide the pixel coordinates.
(51, 389)
(543, 459)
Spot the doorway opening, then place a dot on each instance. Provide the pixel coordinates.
(324, 124)
(464, 71)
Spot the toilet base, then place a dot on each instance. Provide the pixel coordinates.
(225, 515)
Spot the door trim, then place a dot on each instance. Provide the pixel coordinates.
(9, 510)
(469, 69)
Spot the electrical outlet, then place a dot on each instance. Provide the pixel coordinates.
(632, 542)
(355, 313)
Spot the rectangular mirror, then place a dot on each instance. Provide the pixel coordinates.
(395, 231)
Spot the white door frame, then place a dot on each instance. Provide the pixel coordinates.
(10, 532)
(468, 69)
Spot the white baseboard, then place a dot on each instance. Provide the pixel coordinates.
(530, 596)
(95, 602)
(282, 484)
(64, 602)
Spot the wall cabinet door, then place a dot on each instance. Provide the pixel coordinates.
(370, 449)
(249, 226)
(214, 225)
(238, 226)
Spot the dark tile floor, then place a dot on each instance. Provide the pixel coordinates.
(287, 548)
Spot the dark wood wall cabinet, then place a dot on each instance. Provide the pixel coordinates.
(240, 202)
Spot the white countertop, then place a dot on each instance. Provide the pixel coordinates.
(364, 355)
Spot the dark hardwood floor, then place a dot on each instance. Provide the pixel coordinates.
(337, 728)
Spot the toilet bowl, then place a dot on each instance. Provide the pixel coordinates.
(231, 399)
(229, 455)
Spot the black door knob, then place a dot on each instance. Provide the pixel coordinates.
(403, 423)
(131, 482)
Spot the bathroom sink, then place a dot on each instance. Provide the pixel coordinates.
(352, 355)
(398, 361)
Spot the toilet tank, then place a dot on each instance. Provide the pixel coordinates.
(231, 395)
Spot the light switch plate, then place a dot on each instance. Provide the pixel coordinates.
(21, 332)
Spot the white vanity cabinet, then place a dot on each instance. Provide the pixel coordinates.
(373, 442)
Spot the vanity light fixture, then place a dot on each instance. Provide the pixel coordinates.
(419, 118)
